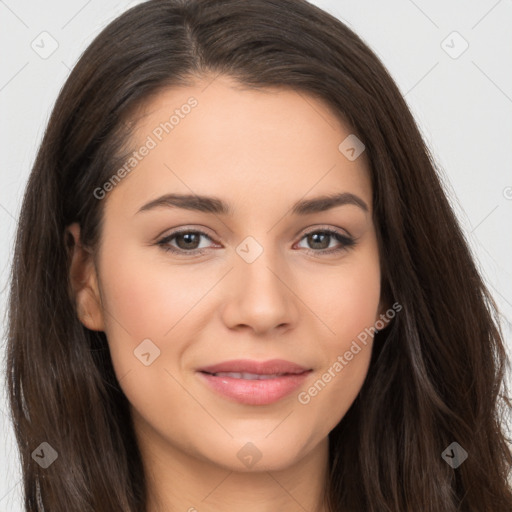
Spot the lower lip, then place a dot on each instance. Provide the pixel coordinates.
(255, 392)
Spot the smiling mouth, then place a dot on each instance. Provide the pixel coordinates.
(254, 388)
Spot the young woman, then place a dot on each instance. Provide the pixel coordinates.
(239, 285)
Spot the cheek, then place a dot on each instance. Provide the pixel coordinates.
(330, 395)
(141, 304)
(346, 300)
(145, 299)
(348, 303)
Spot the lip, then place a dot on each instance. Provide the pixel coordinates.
(255, 392)
(270, 367)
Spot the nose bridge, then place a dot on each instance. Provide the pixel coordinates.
(261, 296)
(260, 264)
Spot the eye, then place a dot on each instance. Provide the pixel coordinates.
(321, 238)
(188, 241)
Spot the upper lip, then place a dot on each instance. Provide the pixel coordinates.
(270, 367)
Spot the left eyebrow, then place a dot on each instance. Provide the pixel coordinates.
(209, 204)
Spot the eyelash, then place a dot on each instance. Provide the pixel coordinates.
(347, 242)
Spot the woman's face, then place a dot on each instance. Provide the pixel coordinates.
(267, 285)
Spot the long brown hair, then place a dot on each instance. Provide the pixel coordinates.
(436, 375)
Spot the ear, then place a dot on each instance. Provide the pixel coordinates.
(84, 281)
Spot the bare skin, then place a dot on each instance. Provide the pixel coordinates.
(259, 151)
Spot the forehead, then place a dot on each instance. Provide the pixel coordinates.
(223, 139)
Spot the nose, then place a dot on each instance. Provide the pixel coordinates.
(260, 295)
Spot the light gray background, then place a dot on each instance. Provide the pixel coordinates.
(463, 106)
